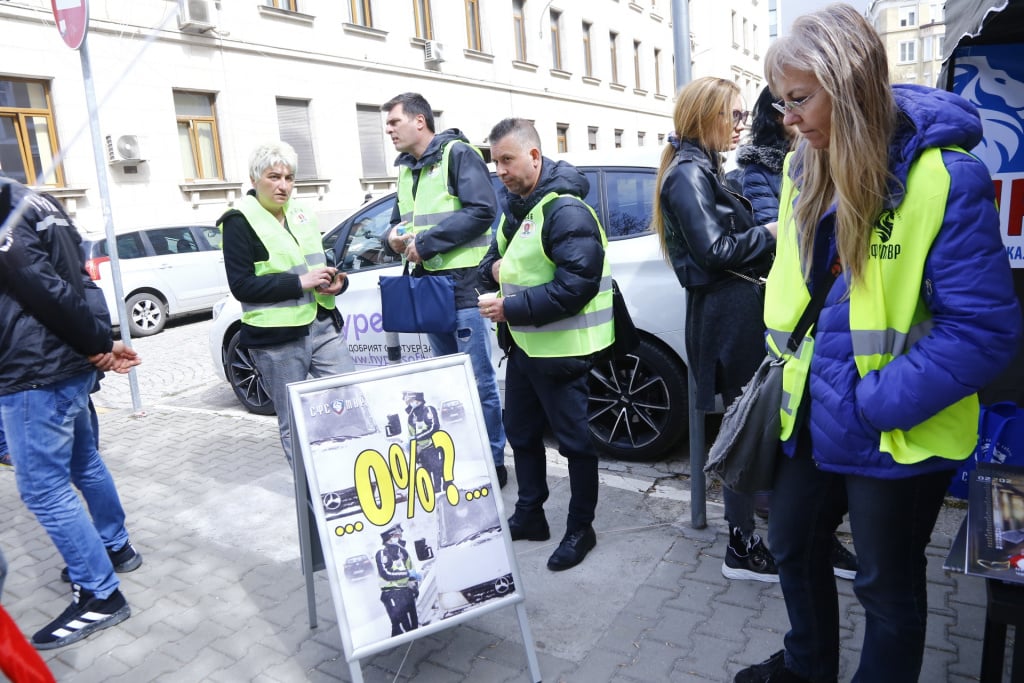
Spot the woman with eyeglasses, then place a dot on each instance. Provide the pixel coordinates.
(885, 211)
(719, 254)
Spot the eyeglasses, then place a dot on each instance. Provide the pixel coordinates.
(789, 106)
(739, 117)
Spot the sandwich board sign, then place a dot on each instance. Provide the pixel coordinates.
(405, 504)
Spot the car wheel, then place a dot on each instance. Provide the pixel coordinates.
(245, 379)
(638, 404)
(147, 314)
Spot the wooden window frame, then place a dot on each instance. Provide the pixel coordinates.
(519, 29)
(21, 117)
(474, 39)
(197, 157)
(362, 13)
(556, 39)
(424, 19)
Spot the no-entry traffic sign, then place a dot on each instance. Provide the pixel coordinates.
(72, 17)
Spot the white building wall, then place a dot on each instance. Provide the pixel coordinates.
(257, 54)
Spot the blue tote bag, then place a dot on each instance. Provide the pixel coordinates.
(1000, 440)
(417, 304)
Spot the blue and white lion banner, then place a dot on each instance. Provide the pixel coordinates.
(992, 78)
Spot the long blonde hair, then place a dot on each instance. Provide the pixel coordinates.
(848, 58)
(700, 106)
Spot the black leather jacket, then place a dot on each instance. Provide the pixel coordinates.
(708, 229)
(52, 316)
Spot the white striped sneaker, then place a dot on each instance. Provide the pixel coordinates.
(85, 615)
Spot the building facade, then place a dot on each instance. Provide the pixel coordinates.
(913, 33)
(186, 88)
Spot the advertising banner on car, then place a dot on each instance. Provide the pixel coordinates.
(992, 78)
(405, 499)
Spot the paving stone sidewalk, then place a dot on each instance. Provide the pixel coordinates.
(220, 596)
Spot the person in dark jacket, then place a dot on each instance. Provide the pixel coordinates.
(442, 228)
(882, 202)
(55, 334)
(760, 161)
(276, 267)
(549, 258)
(398, 581)
(718, 252)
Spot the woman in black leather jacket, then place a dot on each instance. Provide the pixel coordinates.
(709, 237)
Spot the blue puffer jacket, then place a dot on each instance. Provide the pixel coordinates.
(761, 179)
(967, 287)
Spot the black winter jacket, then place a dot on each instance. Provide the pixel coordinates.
(571, 239)
(469, 180)
(52, 315)
(708, 229)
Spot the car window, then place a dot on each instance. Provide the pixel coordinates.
(365, 245)
(213, 236)
(629, 196)
(129, 245)
(176, 240)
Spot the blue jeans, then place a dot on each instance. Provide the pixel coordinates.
(321, 353)
(550, 392)
(50, 431)
(472, 336)
(891, 521)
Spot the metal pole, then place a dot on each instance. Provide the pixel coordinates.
(394, 347)
(108, 221)
(681, 41)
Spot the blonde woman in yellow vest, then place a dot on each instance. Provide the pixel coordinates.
(550, 262)
(880, 401)
(442, 228)
(277, 269)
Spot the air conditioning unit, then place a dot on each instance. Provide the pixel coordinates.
(433, 52)
(125, 149)
(195, 16)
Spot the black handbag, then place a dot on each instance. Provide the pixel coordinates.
(744, 454)
(417, 304)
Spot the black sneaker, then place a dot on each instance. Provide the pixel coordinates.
(748, 560)
(533, 527)
(127, 559)
(771, 670)
(502, 473)
(574, 547)
(85, 615)
(844, 563)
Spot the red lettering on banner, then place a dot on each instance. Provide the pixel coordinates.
(1015, 220)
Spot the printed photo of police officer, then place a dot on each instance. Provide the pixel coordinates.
(399, 581)
(423, 423)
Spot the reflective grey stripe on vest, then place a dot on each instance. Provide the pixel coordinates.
(306, 298)
(317, 258)
(432, 218)
(407, 216)
(579, 321)
(781, 340)
(881, 342)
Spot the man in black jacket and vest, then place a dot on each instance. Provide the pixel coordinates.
(549, 257)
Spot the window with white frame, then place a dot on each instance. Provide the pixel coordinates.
(592, 137)
(293, 124)
(562, 137)
(636, 64)
(908, 16)
(908, 51)
(657, 71)
(613, 48)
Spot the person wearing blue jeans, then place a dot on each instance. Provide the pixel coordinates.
(5, 454)
(55, 334)
(893, 225)
(442, 228)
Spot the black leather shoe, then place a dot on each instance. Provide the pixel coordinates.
(502, 473)
(536, 529)
(574, 547)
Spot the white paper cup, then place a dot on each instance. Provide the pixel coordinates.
(487, 296)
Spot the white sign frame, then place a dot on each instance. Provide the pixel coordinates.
(356, 464)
